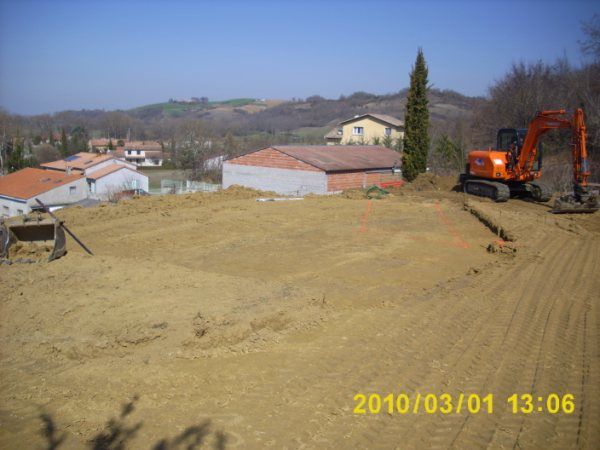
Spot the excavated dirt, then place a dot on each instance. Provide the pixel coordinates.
(247, 324)
(431, 182)
(30, 251)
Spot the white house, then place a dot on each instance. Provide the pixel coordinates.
(144, 154)
(19, 190)
(114, 178)
(105, 174)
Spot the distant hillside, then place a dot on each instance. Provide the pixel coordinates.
(320, 114)
(297, 120)
(253, 115)
(188, 110)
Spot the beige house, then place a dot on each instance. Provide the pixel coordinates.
(366, 129)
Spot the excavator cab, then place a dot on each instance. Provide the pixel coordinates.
(510, 136)
(512, 139)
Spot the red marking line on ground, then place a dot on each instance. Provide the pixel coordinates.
(365, 217)
(459, 242)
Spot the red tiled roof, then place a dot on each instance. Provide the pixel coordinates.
(103, 142)
(143, 145)
(335, 158)
(30, 182)
(105, 171)
(79, 161)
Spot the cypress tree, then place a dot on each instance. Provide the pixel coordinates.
(416, 122)
(16, 160)
(64, 149)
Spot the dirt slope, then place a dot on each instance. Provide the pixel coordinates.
(257, 323)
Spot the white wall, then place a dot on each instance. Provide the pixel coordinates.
(282, 181)
(120, 180)
(149, 162)
(9, 207)
(143, 160)
(60, 195)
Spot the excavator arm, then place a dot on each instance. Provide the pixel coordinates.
(581, 166)
(545, 121)
(582, 199)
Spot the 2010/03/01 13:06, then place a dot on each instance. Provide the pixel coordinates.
(461, 403)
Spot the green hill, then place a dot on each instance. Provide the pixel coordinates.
(183, 109)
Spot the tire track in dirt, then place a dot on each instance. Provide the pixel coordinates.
(480, 363)
(557, 349)
(561, 353)
(519, 350)
(341, 370)
(513, 341)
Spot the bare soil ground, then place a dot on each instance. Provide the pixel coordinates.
(242, 324)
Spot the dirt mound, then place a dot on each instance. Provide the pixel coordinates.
(240, 192)
(354, 194)
(29, 251)
(431, 182)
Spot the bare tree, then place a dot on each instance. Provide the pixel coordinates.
(591, 45)
(195, 147)
(45, 153)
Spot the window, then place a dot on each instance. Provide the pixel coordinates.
(358, 131)
(19, 212)
(388, 131)
(72, 190)
(340, 131)
(139, 152)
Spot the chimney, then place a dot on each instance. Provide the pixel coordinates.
(68, 170)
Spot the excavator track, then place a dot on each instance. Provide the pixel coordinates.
(540, 192)
(498, 192)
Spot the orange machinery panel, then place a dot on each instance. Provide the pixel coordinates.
(488, 164)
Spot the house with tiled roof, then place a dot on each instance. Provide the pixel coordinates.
(104, 183)
(367, 129)
(19, 190)
(105, 174)
(144, 153)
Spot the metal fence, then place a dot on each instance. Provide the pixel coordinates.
(183, 187)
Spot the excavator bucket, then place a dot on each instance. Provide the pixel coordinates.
(31, 238)
(578, 203)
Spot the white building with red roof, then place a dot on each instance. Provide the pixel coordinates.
(106, 175)
(114, 178)
(19, 190)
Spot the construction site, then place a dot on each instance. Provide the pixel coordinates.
(218, 319)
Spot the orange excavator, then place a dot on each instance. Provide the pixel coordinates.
(516, 164)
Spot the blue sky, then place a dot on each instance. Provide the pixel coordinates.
(57, 55)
